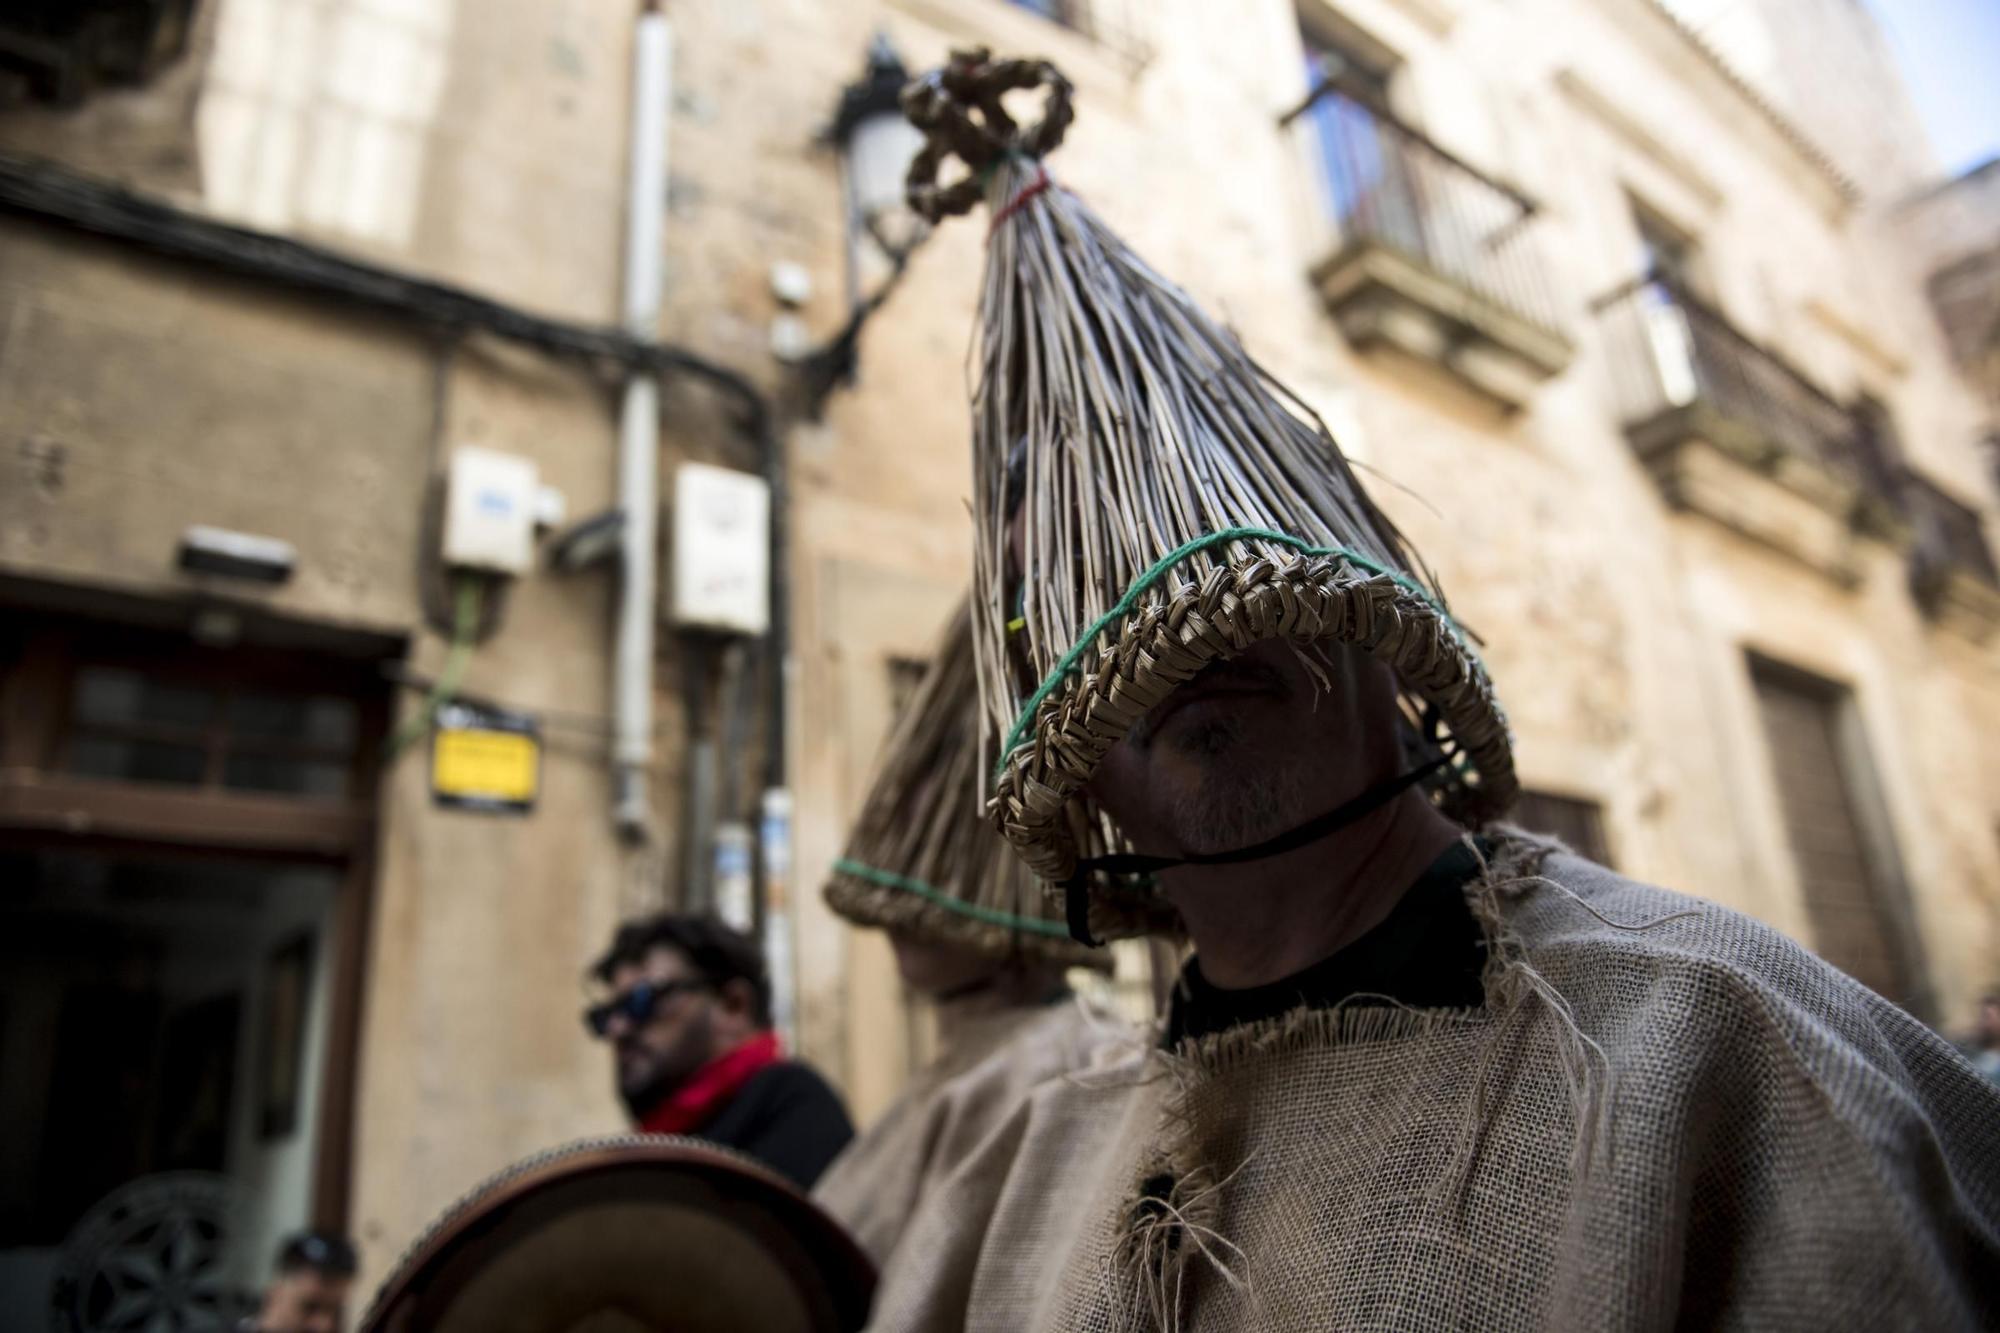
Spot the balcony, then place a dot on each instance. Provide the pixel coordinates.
(1426, 256)
(1730, 430)
(1952, 571)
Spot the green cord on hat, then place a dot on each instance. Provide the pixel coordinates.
(989, 915)
(1160, 568)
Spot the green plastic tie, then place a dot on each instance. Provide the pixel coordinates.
(465, 629)
(991, 916)
(1160, 569)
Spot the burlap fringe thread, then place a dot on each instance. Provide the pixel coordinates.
(1173, 1234)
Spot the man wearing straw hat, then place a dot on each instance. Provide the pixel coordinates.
(1424, 1070)
(973, 934)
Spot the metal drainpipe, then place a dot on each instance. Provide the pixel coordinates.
(639, 422)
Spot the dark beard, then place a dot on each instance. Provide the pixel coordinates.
(668, 1071)
(641, 1100)
(1236, 805)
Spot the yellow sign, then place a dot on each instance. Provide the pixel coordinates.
(485, 759)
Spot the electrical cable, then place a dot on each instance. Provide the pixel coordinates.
(465, 630)
(597, 725)
(57, 194)
(53, 193)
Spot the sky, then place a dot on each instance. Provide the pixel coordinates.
(1950, 52)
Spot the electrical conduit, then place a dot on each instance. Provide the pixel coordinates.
(639, 423)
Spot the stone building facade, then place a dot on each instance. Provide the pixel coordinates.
(1949, 233)
(1635, 367)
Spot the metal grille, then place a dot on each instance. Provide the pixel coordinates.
(58, 50)
(1853, 926)
(1670, 349)
(1949, 534)
(1384, 182)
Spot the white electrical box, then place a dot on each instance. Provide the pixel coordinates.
(721, 550)
(490, 505)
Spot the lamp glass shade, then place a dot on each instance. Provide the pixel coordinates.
(878, 158)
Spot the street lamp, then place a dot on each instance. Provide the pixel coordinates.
(875, 143)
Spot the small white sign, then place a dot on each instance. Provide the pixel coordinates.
(489, 516)
(721, 550)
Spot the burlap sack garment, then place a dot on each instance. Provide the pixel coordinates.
(1665, 1114)
(994, 1055)
(922, 861)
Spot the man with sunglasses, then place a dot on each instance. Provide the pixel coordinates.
(688, 1017)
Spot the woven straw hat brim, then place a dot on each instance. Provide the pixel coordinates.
(1274, 593)
(915, 907)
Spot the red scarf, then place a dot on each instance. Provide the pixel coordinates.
(707, 1090)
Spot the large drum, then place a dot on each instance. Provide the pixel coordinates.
(640, 1234)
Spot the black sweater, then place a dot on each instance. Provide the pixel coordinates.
(1428, 953)
(786, 1117)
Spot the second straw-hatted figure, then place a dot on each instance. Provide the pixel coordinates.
(973, 934)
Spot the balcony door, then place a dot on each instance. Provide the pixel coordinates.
(1670, 260)
(1366, 186)
(1847, 864)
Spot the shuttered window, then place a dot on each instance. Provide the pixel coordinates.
(1856, 919)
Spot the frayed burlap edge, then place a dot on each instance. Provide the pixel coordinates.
(1150, 1260)
(884, 908)
(1169, 1238)
(1276, 594)
(1510, 868)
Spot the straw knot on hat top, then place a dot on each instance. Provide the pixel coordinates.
(1149, 500)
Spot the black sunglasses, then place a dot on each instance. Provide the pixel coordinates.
(637, 1004)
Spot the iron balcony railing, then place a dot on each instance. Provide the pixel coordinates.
(1948, 533)
(1381, 181)
(1670, 350)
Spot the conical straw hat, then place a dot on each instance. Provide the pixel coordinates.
(922, 857)
(1177, 504)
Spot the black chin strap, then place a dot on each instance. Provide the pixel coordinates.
(1076, 889)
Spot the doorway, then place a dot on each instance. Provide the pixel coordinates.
(163, 1024)
(1848, 867)
(185, 843)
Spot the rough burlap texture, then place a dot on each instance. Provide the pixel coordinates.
(996, 1056)
(1665, 1114)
